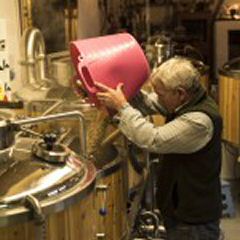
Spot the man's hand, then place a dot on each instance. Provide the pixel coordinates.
(112, 98)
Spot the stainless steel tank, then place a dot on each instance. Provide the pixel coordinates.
(107, 151)
(48, 190)
(45, 188)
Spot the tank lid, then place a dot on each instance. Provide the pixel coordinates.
(202, 68)
(231, 68)
(23, 173)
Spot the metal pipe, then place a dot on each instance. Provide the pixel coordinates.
(111, 138)
(59, 116)
(36, 45)
(53, 107)
(35, 55)
(55, 103)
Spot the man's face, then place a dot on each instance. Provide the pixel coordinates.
(170, 99)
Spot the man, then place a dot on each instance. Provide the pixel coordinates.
(189, 190)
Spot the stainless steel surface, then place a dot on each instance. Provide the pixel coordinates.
(63, 71)
(6, 134)
(13, 214)
(231, 68)
(60, 116)
(6, 130)
(163, 49)
(35, 71)
(33, 203)
(58, 153)
(34, 57)
(158, 49)
(54, 186)
(24, 174)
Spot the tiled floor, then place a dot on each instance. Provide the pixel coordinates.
(231, 226)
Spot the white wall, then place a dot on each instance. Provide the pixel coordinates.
(89, 19)
(9, 11)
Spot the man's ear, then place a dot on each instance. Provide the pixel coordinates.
(183, 94)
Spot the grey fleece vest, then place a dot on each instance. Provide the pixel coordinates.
(189, 188)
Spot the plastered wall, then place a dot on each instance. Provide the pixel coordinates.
(9, 12)
(91, 16)
(89, 19)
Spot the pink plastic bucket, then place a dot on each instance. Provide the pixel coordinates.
(110, 60)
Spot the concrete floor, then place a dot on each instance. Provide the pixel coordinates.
(231, 228)
(231, 225)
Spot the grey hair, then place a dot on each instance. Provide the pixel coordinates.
(177, 72)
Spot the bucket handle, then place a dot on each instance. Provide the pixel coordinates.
(87, 79)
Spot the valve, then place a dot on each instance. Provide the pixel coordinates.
(50, 139)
